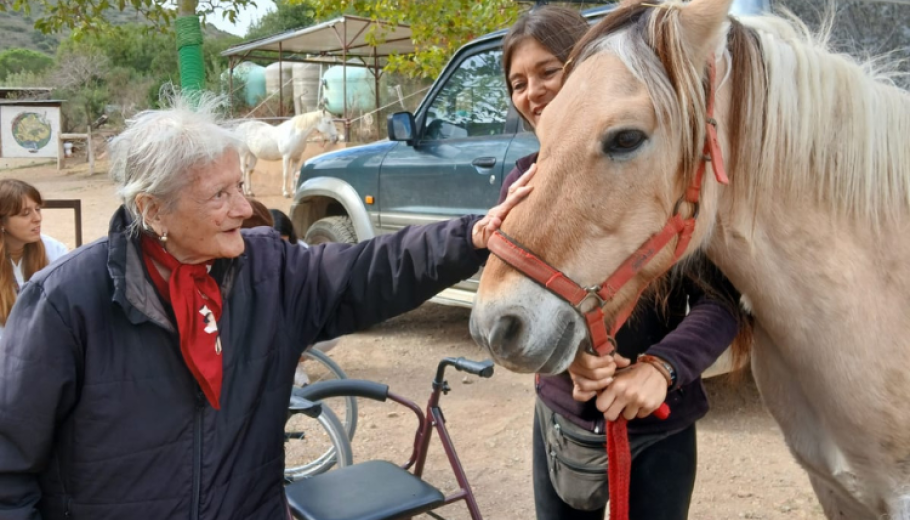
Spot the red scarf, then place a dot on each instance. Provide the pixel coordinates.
(196, 299)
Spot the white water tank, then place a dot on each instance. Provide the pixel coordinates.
(306, 86)
(273, 82)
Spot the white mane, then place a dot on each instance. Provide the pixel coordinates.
(813, 124)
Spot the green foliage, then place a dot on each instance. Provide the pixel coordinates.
(284, 18)
(438, 27)
(92, 16)
(26, 79)
(129, 47)
(16, 61)
(120, 70)
(146, 54)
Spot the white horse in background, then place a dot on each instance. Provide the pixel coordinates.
(285, 142)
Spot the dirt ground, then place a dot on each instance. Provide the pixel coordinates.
(745, 470)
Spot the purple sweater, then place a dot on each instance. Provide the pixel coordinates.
(690, 342)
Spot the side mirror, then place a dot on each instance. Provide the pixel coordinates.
(402, 127)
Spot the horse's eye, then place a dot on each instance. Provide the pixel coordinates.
(624, 141)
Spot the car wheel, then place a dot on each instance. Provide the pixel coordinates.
(331, 229)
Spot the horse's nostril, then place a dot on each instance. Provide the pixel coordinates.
(505, 331)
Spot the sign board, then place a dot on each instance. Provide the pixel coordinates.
(29, 131)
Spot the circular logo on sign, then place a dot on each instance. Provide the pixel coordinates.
(32, 131)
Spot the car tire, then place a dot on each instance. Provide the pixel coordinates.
(331, 229)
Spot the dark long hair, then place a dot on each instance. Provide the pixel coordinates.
(556, 28)
(283, 225)
(13, 194)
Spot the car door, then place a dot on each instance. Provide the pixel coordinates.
(456, 164)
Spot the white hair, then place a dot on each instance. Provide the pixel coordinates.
(160, 149)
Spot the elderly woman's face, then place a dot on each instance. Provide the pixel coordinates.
(205, 223)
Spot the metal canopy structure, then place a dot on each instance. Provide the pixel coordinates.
(344, 37)
(337, 40)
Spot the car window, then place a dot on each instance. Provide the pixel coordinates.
(473, 101)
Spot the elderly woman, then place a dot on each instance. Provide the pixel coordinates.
(147, 375)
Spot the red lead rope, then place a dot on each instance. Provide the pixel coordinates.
(619, 467)
(620, 459)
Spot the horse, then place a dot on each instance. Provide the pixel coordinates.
(804, 205)
(285, 142)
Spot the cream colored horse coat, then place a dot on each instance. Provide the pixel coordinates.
(814, 228)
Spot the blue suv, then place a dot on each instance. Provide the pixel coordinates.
(446, 160)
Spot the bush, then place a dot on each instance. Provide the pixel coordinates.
(16, 61)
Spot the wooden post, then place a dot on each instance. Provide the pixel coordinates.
(73, 204)
(91, 152)
(60, 154)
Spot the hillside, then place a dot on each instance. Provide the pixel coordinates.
(18, 30)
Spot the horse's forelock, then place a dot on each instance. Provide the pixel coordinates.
(621, 18)
(648, 40)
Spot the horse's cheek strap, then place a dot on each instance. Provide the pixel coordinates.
(717, 158)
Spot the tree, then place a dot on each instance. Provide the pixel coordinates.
(79, 77)
(19, 61)
(438, 27)
(90, 16)
(85, 16)
(285, 17)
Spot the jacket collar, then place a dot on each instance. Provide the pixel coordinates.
(524, 164)
(133, 291)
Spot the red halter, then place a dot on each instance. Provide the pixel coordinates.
(602, 340)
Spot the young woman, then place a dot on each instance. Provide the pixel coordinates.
(24, 250)
(569, 458)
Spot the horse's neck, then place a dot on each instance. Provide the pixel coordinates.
(815, 281)
(304, 123)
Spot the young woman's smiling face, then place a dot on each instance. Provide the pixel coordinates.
(535, 76)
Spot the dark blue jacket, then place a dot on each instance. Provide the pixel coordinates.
(101, 419)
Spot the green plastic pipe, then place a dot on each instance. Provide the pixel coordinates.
(189, 51)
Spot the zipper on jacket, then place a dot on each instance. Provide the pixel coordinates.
(197, 453)
(66, 495)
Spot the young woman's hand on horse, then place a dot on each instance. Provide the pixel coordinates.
(635, 392)
(486, 226)
(591, 373)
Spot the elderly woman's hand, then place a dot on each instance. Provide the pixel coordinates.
(486, 226)
(591, 374)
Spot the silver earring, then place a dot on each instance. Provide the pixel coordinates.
(163, 238)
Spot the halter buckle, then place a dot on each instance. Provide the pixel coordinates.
(592, 292)
(679, 203)
(589, 348)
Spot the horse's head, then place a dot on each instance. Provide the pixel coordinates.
(620, 147)
(326, 127)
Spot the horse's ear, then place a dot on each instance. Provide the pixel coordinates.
(702, 23)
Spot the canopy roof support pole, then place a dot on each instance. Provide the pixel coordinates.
(280, 81)
(231, 85)
(377, 74)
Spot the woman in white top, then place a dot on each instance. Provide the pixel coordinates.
(24, 250)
